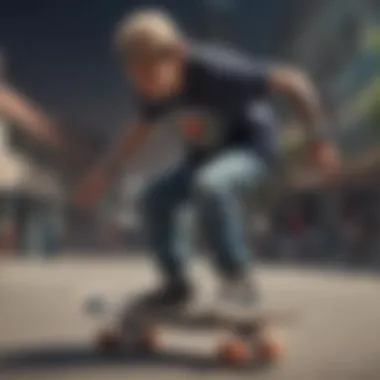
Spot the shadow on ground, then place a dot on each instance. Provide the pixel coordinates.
(48, 358)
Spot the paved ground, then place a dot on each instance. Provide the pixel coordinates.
(44, 334)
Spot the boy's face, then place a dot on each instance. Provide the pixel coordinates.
(156, 75)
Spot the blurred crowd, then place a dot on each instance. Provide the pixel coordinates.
(337, 226)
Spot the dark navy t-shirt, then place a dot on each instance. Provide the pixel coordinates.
(224, 104)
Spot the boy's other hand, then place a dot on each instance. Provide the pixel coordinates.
(325, 157)
(91, 190)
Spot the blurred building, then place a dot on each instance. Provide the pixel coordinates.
(263, 28)
(331, 39)
(337, 43)
(332, 47)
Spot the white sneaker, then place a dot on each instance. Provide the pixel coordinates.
(238, 296)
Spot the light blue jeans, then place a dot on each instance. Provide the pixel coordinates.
(219, 191)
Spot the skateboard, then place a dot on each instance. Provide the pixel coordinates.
(247, 337)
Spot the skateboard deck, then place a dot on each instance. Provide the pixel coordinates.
(195, 316)
(138, 324)
(201, 318)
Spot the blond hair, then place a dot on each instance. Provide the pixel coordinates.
(146, 29)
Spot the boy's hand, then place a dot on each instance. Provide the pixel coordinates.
(325, 157)
(91, 189)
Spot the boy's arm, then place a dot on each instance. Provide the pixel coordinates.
(299, 89)
(96, 183)
(256, 80)
(15, 107)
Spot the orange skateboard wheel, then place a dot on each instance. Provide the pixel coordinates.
(234, 352)
(149, 339)
(108, 340)
(269, 350)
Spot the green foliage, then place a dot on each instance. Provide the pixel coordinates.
(372, 39)
(373, 107)
(294, 148)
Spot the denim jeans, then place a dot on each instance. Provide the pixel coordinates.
(220, 191)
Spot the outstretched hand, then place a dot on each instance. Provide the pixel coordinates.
(91, 190)
(325, 157)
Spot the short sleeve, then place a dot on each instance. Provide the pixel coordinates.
(239, 74)
(248, 78)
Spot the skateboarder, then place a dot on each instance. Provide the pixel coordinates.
(217, 98)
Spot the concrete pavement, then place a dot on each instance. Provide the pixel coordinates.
(45, 335)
